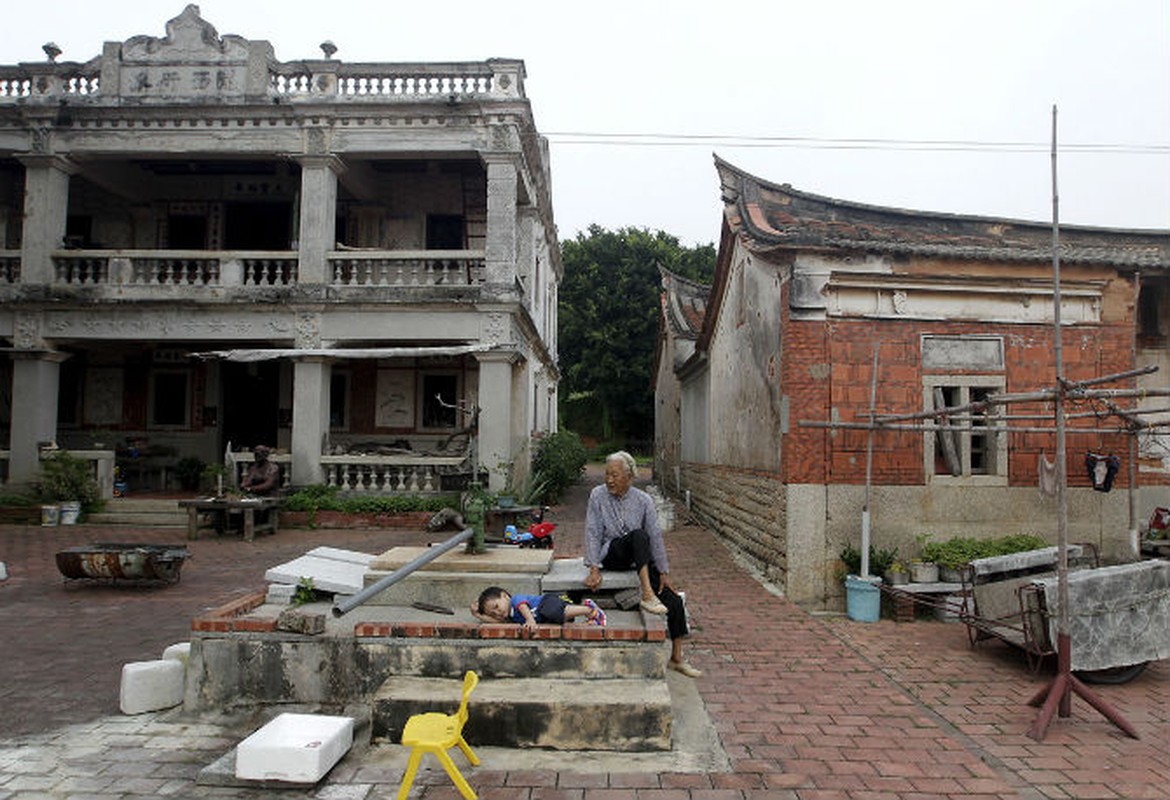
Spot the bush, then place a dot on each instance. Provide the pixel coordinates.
(66, 477)
(329, 498)
(955, 553)
(879, 560)
(559, 463)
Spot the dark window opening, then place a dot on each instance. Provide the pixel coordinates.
(338, 397)
(257, 226)
(79, 231)
(187, 232)
(1150, 302)
(445, 232)
(169, 404)
(439, 396)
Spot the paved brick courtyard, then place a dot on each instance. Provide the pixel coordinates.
(805, 707)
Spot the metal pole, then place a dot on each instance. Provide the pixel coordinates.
(865, 523)
(350, 603)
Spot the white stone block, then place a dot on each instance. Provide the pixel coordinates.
(3, 571)
(151, 685)
(280, 594)
(328, 574)
(296, 748)
(180, 651)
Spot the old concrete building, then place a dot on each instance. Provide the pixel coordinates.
(203, 246)
(810, 293)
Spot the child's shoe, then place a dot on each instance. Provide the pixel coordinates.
(597, 617)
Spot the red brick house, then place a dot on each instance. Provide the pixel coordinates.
(809, 290)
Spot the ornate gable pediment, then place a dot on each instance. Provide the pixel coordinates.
(191, 63)
(190, 39)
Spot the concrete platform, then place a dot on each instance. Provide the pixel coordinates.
(624, 714)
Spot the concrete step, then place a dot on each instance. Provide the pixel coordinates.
(126, 512)
(628, 715)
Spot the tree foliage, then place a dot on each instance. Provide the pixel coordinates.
(608, 326)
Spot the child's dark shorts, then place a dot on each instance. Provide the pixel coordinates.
(550, 610)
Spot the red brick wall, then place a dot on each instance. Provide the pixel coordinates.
(828, 365)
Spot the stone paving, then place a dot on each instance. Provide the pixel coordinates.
(806, 707)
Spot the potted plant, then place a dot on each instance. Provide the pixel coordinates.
(188, 471)
(922, 568)
(898, 574)
(67, 482)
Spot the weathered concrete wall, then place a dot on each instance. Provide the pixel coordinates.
(744, 366)
(795, 533)
(245, 669)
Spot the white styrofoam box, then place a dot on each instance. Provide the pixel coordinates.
(180, 651)
(151, 685)
(297, 748)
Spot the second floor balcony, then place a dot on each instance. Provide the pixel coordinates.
(202, 268)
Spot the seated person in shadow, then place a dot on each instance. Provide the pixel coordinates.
(262, 477)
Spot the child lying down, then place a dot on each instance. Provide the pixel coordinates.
(499, 605)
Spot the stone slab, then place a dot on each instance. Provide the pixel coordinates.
(337, 554)
(294, 748)
(455, 590)
(328, 574)
(568, 574)
(499, 559)
(151, 685)
(180, 651)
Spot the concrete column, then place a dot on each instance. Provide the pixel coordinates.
(501, 222)
(35, 383)
(310, 423)
(46, 207)
(495, 415)
(318, 216)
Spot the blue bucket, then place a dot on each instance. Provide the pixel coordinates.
(863, 599)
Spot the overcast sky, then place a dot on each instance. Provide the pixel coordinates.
(932, 104)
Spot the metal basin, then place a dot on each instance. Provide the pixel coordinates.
(111, 561)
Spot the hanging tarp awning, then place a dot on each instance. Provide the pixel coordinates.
(269, 354)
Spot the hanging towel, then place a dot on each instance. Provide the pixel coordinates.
(1047, 470)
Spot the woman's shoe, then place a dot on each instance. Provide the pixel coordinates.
(685, 669)
(652, 605)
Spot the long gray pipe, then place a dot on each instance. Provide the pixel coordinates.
(349, 604)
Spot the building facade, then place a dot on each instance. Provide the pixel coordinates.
(203, 248)
(826, 312)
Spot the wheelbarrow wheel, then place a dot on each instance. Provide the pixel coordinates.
(1114, 675)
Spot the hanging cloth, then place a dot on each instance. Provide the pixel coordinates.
(1047, 470)
(1102, 470)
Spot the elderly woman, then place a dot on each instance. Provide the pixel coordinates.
(621, 533)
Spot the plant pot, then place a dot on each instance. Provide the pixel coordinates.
(950, 574)
(70, 511)
(50, 515)
(924, 572)
(897, 578)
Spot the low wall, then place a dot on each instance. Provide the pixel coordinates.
(794, 533)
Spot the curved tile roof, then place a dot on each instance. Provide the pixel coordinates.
(776, 216)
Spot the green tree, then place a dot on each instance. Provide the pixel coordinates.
(608, 326)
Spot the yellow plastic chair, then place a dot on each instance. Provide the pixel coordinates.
(437, 733)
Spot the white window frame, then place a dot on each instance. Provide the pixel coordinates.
(998, 476)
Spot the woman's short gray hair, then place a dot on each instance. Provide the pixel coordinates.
(626, 460)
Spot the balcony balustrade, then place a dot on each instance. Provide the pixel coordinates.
(259, 269)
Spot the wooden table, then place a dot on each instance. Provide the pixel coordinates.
(218, 510)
